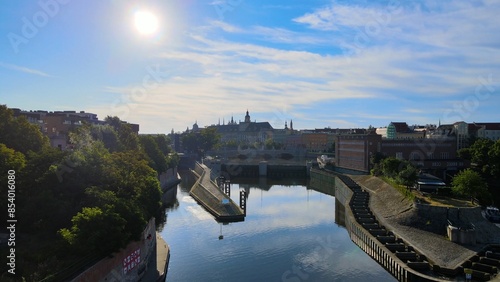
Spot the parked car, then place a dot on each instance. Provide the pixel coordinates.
(492, 214)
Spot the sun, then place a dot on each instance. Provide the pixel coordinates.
(145, 22)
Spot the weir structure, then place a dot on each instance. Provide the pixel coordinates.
(215, 197)
(398, 257)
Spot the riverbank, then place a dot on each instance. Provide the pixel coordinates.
(158, 265)
(401, 216)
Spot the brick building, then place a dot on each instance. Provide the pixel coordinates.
(436, 156)
(353, 151)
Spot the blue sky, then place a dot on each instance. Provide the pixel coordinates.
(321, 63)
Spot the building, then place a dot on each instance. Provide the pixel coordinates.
(488, 130)
(246, 132)
(280, 136)
(316, 142)
(435, 156)
(57, 125)
(353, 151)
(401, 130)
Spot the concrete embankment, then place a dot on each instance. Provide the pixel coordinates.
(423, 226)
(206, 193)
(144, 260)
(409, 239)
(168, 183)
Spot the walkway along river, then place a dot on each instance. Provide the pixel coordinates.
(290, 233)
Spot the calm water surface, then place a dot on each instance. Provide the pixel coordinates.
(289, 234)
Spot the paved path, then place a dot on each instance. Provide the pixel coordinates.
(158, 262)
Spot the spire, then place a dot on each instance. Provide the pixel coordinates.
(291, 124)
(286, 126)
(247, 117)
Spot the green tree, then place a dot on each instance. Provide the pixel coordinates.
(131, 178)
(128, 139)
(207, 139)
(96, 230)
(390, 167)
(158, 160)
(163, 142)
(478, 154)
(19, 134)
(469, 183)
(173, 160)
(11, 160)
(494, 160)
(108, 135)
(408, 175)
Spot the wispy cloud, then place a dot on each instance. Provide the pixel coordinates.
(24, 69)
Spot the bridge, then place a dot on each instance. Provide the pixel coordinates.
(212, 197)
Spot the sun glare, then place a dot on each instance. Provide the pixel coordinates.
(145, 22)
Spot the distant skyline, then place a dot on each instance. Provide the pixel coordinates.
(338, 64)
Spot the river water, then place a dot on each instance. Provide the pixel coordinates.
(290, 233)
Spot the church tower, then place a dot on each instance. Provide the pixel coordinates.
(247, 117)
(291, 125)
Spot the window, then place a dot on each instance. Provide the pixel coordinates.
(415, 156)
(399, 155)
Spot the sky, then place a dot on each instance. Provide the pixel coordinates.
(320, 63)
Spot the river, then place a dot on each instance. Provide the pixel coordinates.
(290, 233)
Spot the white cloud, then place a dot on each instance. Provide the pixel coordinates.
(24, 69)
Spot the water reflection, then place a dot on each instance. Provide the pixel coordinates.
(290, 233)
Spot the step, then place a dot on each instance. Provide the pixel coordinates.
(366, 220)
(480, 275)
(378, 232)
(359, 203)
(419, 265)
(369, 226)
(386, 239)
(406, 256)
(364, 215)
(359, 206)
(490, 254)
(361, 210)
(484, 267)
(393, 247)
(490, 261)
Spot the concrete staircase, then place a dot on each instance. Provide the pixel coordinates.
(359, 205)
(484, 265)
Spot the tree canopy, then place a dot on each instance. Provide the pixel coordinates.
(484, 155)
(19, 134)
(201, 142)
(402, 171)
(96, 197)
(469, 183)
